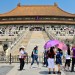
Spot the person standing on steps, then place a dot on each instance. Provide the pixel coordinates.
(35, 56)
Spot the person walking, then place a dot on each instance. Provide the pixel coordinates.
(35, 56)
(45, 58)
(73, 58)
(51, 64)
(59, 59)
(68, 58)
(22, 56)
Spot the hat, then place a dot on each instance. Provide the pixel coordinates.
(22, 47)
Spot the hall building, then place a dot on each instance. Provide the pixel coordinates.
(37, 16)
(49, 18)
(46, 21)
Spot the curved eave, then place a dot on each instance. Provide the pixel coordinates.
(68, 14)
(73, 16)
(37, 10)
(37, 22)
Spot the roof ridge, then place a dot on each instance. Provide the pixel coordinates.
(34, 5)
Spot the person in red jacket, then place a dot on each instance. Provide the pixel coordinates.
(51, 64)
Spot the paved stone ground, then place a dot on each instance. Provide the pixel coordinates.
(68, 72)
(7, 69)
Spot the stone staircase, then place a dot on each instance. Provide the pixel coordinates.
(30, 40)
(45, 36)
(23, 42)
(37, 38)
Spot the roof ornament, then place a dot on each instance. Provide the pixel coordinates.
(55, 4)
(19, 4)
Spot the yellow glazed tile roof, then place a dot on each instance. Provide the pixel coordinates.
(37, 10)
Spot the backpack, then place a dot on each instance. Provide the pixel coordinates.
(58, 55)
(32, 54)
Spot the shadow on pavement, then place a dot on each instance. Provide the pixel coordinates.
(46, 72)
(43, 72)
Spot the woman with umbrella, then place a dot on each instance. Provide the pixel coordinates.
(58, 59)
(51, 63)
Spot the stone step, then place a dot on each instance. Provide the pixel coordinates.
(37, 38)
(31, 40)
(23, 42)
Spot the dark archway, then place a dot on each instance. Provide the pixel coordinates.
(36, 29)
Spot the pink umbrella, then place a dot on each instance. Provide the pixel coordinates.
(51, 43)
(47, 45)
(62, 46)
(54, 42)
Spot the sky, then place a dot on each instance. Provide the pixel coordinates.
(8, 5)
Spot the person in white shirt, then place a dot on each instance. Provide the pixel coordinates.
(68, 58)
(22, 55)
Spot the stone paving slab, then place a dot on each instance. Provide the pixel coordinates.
(35, 70)
(68, 72)
(5, 69)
